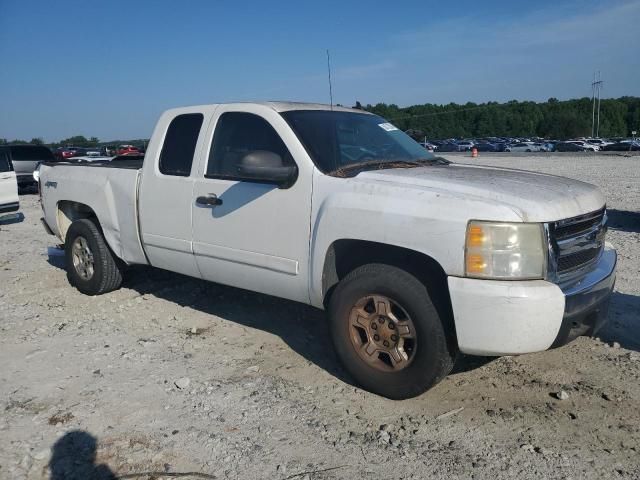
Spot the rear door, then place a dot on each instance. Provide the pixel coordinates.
(8, 185)
(166, 191)
(257, 237)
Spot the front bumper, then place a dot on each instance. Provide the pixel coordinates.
(587, 302)
(9, 207)
(514, 317)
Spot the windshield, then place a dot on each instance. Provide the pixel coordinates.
(335, 140)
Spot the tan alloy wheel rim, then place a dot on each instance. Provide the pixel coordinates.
(82, 258)
(382, 333)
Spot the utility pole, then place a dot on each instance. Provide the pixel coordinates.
(593, 105)
(596, 86)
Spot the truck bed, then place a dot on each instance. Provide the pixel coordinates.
(109, 190)
(134, 163)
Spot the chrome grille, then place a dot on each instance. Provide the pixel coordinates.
(576, 244)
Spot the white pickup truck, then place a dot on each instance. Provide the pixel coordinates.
(415, 258)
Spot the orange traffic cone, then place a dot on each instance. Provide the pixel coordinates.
(474, 152)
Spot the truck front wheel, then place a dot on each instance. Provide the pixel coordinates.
(387, 332)
(91, 266)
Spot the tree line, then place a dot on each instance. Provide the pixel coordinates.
(75, 141)
(553, 119)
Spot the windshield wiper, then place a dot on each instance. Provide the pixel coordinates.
(381, 164)
(435, 160)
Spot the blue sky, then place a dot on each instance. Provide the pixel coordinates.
(108, 68)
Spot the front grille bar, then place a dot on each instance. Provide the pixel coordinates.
(575, 245)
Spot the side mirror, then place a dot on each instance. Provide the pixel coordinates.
(264, 166)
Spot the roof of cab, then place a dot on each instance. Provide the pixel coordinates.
(287, 106)
(280, 106)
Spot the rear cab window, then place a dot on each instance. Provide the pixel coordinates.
(176, 157)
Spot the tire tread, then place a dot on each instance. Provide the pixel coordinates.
(111, 272)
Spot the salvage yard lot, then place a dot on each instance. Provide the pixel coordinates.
(172, 374)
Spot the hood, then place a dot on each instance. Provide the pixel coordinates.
(534, 197)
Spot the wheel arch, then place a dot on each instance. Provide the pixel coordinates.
(345, 255)
(68, 211)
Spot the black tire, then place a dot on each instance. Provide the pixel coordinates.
(107, 272)
(434, 353)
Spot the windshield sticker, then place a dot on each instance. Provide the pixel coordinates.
(387, 127)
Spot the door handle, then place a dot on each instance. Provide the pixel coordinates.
(210, 200)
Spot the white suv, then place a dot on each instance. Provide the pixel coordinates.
(8, 184)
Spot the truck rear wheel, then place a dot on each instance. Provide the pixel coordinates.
(91, 266)
(387, 332)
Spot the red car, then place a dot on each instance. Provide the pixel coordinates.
(62, 153)
(128, 150)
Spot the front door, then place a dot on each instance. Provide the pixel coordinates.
(252, 234)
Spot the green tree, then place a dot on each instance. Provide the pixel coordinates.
(75, 141)
(552, 119)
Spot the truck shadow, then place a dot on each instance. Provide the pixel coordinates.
(624, 321)
(623, 220)
(301, 327)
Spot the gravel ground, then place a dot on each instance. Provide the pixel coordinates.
(172, 374)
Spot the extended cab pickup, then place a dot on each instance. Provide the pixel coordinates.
(414, 258)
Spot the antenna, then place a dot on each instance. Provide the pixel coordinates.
(329, 71)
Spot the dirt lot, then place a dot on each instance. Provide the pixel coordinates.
(171, 374)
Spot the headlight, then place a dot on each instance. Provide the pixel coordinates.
(505, 251)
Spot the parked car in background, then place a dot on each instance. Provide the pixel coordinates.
(587, 147)
(108, 151)
(93, 152)
(465, 145)
(62, 153)
(127, 150)
(78, 152)
(540, 147)
(569, 147)
(521, 147)
(25, 159)
(487, 147)
(448, 147)
(622, 147)
(8, 185)
(599, 142)
(429, 146)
